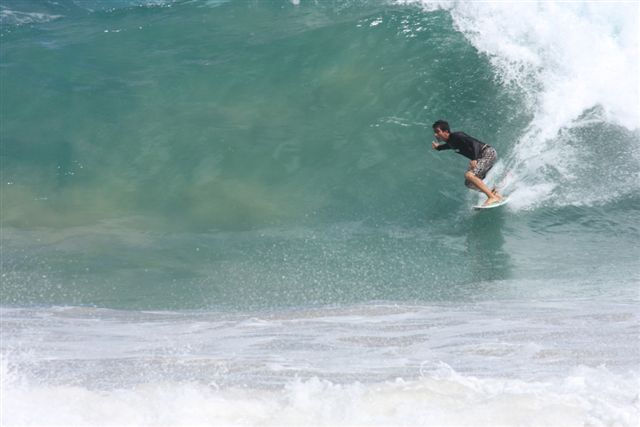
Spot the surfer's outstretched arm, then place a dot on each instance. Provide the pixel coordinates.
(439, 147)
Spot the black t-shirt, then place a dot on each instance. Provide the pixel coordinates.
(464, 144)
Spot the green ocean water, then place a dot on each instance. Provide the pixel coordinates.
(198, 154)
(229, 213)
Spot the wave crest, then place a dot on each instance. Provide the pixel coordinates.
(577, 66)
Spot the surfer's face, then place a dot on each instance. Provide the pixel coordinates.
(442, 135)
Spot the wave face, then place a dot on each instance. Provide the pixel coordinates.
(235, 123)
(218, 146)
(226, 203)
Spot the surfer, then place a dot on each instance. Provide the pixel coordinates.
(482, 156)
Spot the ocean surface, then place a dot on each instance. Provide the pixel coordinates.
(229, 213)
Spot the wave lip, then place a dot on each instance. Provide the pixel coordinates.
(569, 57)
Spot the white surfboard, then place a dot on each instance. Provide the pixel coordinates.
(493, 205)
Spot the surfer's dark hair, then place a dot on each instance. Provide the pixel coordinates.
(442, 125)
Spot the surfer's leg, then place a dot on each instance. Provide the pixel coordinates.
(481, 186)
(470, 185)
(477, 174)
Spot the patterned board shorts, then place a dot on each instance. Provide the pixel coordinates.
(485, 163)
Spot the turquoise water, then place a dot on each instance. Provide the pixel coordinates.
(271, 117)
(191, 170)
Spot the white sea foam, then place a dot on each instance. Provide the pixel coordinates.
(487, 365)
(442, 397)
(577, 64)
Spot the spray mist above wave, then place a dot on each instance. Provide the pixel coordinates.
(577, 66)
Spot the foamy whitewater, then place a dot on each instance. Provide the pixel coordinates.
(577, 66)
(227, 213)
(361, 365)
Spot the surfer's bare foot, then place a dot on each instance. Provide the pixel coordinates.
(492, 200)
(494, 191)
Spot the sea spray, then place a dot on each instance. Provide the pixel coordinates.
(577, 66)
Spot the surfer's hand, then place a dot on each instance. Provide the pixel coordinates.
(472, 164)
(434, 145)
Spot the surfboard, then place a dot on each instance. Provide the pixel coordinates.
(493, 205)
